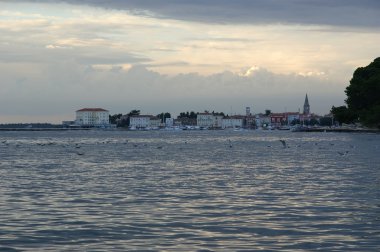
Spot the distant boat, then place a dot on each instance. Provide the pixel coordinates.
(284, 128)
(299, 128)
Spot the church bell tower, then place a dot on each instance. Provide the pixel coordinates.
(306, 106)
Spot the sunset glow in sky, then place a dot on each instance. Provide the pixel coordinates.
(176, 55)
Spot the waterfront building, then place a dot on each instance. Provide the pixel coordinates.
(205, 120)
(292, 117)
(209, 120)
(92, 117)
(262, 120)
(185, 121)
(169, 122)
(155, 122)
(277, 119)
(218, 121)
(144, 121)
(139, 121)
(233, 122)
(250, 122)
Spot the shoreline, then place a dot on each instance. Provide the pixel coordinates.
(42, 129)
(327, 130)
(340, 130)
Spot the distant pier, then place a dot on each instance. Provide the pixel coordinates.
(42, 129)
(341, 130)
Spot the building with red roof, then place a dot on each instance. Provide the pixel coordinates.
(92, 117)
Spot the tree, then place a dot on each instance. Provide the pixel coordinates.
(163, 116)
(295, 121)
(313, 122)
(114, 118)
(343, 115)
(191, 115)
(217, 113)
(326, 121)
(363, 94)
(133, 112)
(268, 112)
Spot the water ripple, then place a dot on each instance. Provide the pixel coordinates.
(186, 191)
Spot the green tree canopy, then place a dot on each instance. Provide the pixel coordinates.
(163, 116)
(363, 97)
(114, 118)
(134, 112)
(192, 115)
(363, 93)
(343, 115)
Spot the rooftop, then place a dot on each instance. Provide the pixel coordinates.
(92, 110)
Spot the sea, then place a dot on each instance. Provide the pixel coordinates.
(189, 191)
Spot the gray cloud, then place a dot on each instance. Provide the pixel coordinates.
(363, 13)
(67, 86)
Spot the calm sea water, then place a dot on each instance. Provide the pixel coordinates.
(189, 191)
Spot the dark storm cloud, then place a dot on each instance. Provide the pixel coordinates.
(363, 13)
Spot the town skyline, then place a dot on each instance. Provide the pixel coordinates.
(170, 55)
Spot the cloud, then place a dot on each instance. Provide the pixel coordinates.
(364, 13)
(67, 86)
(56, 58)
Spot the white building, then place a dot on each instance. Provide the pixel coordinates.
(208, 120)
(144, 121)
(262, 120)
(205, 120)
(169, 122)
(93, 117)
(139, 121)
(233, 122)
(155, 122)
(218, 121)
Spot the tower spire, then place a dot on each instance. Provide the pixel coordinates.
(306, 106)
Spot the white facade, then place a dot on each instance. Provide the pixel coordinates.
(92, 117)
(232, 122)
(218, 121)
(262, 121)
(139, 122)
(205, 120)
(208, 120)
(144, 121)
(169, 122)
(154, 122)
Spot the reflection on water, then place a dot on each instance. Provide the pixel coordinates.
(181, 191)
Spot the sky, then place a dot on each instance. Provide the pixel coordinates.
(172, 56)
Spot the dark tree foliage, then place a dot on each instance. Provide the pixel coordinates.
(217, 113)
(343, 115)
(363, 94)
(114, 118)
(268, 112)
(163, 116)
(313, 122)
(295, 121)
(191, 115)
(134, 112)
(326, 121)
